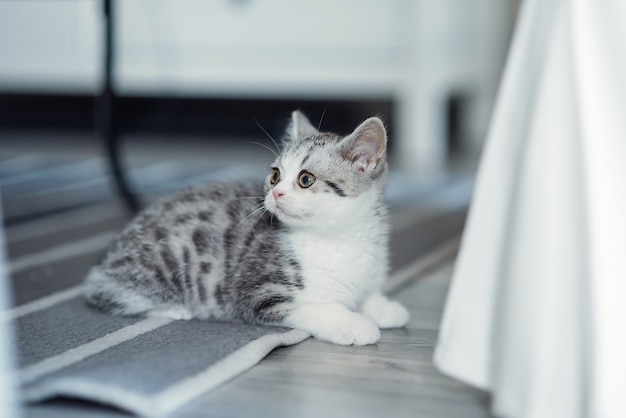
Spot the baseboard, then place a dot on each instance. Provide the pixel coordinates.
(211, 117)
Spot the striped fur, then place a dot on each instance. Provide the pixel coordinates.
(310, 255)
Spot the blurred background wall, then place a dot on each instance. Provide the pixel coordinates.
(209, 68)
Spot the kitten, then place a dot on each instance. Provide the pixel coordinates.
(311, 253)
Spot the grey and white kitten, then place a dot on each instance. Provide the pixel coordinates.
(311, 253)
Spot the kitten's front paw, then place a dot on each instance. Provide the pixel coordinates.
(334, 323)
(385, 313)
(393, 315)
(358, 331)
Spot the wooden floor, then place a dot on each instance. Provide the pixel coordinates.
(394, 378)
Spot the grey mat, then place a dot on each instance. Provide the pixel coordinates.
(150, 367)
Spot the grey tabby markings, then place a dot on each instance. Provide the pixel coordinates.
(336, 188)
(214, 252)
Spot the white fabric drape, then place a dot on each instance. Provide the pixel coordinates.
(537, 305)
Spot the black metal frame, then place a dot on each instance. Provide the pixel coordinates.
(107, 117)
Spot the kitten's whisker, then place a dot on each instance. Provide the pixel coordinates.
(268, 135)
(260, 216)
(254, 212)
(319, 125)
(261, 211)
(264, 146)
(261, 189)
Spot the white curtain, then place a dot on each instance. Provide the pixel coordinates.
(536, 312)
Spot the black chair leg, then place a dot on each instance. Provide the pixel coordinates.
(107, 115)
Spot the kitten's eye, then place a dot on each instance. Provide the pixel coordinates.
(275, 176)
(306, 179)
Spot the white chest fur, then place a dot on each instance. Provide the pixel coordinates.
(341, 268)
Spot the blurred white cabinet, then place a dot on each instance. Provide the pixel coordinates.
(413, 51)
(50, 45)
(278, 48)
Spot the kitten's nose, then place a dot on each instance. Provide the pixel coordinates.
(277, 194)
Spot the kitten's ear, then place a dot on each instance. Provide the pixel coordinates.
(366, 145)
(300, 127)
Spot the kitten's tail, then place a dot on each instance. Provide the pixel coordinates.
(108, 294)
